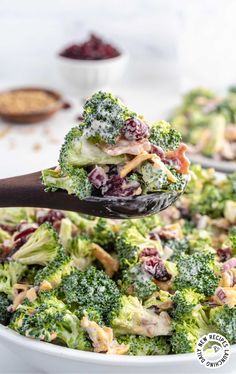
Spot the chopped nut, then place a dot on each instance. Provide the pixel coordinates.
(110, 264)
(45, 286)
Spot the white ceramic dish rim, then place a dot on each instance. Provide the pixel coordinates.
(91, 357)
(70, 61)
(206, 162)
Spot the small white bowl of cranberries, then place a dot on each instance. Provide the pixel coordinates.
(91, 65)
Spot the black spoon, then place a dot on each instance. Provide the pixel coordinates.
(28, 191)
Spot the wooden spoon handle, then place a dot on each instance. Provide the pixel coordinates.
(24, 190)
(28, 191)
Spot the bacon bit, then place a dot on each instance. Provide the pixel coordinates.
(45, 286)
(134, 163)
(179, 154)
(160, 165)
(110, 264)
(124, 146)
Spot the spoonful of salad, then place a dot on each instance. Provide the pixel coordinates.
(113, 164)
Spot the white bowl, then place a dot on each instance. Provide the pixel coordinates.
(49, 358)
(84, 77)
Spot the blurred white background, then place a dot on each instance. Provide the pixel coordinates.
(173, 45)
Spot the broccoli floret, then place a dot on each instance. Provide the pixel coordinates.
(187, 331)
(90, 290)
(81, 251)
(77, 151)
(164, 136)
(153, 179)
(185, 337)
(13, 216)
(209, 196)
(48, 319)
(179, 185)
(217, 124)
(199, 178)
(232, 238)
(104, 116)
(76, 183)
(197, 272)
(134, 282)
(200, 241)
(191, 96)
(30, 274)
(65, 233)
(209, 202)
(144, 225)
(144, 346)
(184, 302)
(103, 233)
(4, 235)
(223, 319)
(4, 314)
(41, 247)
(10, 273)
(130, 243)
(178, 246)
(228, 187)
(132, 318)
(54, 272)
(82, 222)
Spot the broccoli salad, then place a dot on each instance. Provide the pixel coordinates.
(149, 286)
(208, 123)
(115, 152)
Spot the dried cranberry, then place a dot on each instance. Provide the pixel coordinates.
(66, 105)
(50, 216)
(147, 252)
(173, 162)
(80, 118)
(98, 177)
(5, 249)
(25, 233)
(155, 267)
(154, 235)
(8, 228)
(224, 253)
(135, 129)
(158, 151)
(92, 49)
(117, 186)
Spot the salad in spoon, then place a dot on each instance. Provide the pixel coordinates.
(116, 152)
